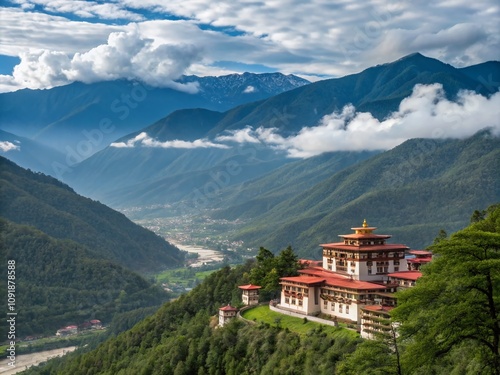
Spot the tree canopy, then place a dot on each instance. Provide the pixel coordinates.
(455, 306)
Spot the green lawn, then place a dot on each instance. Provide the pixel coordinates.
(182, 276)
(264, 314)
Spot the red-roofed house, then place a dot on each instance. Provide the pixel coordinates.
(96, 323)
(250, 294)
(226, 313)
(419, 258)
(404, 279)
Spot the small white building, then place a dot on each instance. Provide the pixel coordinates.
(250, 294)
(227, 313)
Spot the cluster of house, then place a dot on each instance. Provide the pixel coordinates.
(354, 283)
(74, 329)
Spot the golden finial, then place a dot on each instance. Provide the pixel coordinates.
(365, 224)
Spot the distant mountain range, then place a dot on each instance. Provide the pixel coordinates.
(85, 118)
(141, 175)
(178, 164)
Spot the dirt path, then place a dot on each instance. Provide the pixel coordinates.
(24, 361)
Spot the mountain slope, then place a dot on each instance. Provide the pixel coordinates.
(61, 117)
(145, 175)
(31, 154)
(181, 339)
(252, 198)
(55, 209)
(61, 282)
(411, 191)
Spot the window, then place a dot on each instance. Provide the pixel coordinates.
(369, 271)
(287, 300)
(325, 304)
(333, 306)
(300, 302)
(293, 301)
(396, 269)
(347, 309)
(340, 307)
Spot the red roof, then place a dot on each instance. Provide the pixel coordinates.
(377, 308)
(228, 308)
(354, 284)
(366, 235)
(314, 275)
(249, 287)
(310, 262)
(420, 252)
(304, 279)
(406, 275)
(95, 321)
(419, 260)
(386, 247)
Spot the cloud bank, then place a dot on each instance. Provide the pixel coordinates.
(425, 114)
(125, 55)
(144, 140)
(333, 39)
(6, 146)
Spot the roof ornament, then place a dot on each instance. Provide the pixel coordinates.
(365, 224)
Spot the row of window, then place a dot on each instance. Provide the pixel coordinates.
(293, 301)
(340, 308)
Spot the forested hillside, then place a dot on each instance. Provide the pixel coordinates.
(54, 208)
(411, 192)
(179, 339)
(460, 334)
(61, 282)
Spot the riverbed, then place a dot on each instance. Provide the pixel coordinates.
(205, 255)
(25, 361)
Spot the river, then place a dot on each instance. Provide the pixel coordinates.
(205, 255)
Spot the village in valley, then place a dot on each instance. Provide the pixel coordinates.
(355, 283)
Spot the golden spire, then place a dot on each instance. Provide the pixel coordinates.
(365, 224)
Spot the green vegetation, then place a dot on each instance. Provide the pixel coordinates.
(263, 314)
(54, 208)
(59, 283)
(454, 311)
(270, 268)
(185, 277)
(181, 338)
(449, 323)
(411, 192)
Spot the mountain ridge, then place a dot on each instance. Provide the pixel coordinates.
(379, 88)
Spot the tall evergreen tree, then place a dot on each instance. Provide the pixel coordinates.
(456, 303)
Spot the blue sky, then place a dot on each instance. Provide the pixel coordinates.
(46, 43)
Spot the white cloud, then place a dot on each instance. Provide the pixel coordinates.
(6, 146)
(143, 140)
(312, 38)
(240, 136)
(249, 89)
(33, 31)
(125, 55)
(425, 114)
